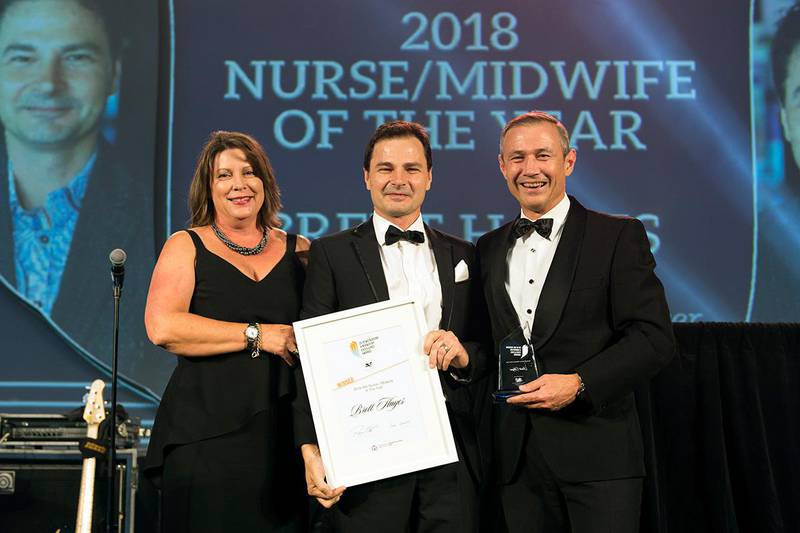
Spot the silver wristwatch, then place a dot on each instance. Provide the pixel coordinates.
(252, 334)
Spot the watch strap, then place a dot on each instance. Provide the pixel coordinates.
(254, 344)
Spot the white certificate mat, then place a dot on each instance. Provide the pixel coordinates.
(378, 409)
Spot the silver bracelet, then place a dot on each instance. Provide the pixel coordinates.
(257, 346)
(252, 334)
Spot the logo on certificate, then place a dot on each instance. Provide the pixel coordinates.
(363, 349)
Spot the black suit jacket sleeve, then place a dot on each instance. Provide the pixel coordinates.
(476, 340)
(319, 298)
(304, 432)
(639, 318)
(319, 294)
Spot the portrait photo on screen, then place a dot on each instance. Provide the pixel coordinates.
(78, 105)
(775, 53)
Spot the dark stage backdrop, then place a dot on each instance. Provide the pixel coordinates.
(669, 104)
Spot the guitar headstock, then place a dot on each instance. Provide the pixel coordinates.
(95, 410)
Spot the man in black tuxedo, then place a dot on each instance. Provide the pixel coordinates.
(393, 254)
(568, 448)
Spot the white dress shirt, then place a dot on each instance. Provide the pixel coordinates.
(410, 270)
(529, 261)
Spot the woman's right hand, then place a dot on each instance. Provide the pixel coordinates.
(279, 339)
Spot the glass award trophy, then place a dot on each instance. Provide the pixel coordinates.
(517, 364)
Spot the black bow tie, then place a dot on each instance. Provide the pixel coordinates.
(542, 226)
(394, 234)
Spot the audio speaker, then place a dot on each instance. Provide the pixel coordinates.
(39, 489)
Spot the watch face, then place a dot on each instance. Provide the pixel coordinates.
(251, 332)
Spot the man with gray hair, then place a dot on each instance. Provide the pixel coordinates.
(579, 288)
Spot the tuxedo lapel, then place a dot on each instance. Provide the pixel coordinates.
(443, 253)
(367, 251)
(559, 277)
(498, 267)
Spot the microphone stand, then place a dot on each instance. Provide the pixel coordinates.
(112, 454)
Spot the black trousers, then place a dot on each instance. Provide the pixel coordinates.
(537, 501)
(440, 499)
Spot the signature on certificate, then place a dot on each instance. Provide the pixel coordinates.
(364, 429)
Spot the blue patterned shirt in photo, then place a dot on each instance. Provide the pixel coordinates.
(42, 237)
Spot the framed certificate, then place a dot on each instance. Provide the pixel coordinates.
(378, 409)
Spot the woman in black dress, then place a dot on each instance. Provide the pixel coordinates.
(222, 298)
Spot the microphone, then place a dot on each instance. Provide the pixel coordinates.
(117, 258)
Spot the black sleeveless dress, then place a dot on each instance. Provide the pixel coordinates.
(222, 446)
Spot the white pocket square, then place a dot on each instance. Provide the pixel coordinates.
(461, 272)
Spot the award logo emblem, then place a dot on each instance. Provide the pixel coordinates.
(363, 349)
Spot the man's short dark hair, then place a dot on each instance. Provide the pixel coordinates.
(784, 42)
(397, 129)
(105, 10)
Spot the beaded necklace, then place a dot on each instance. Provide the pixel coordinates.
(243, 250)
